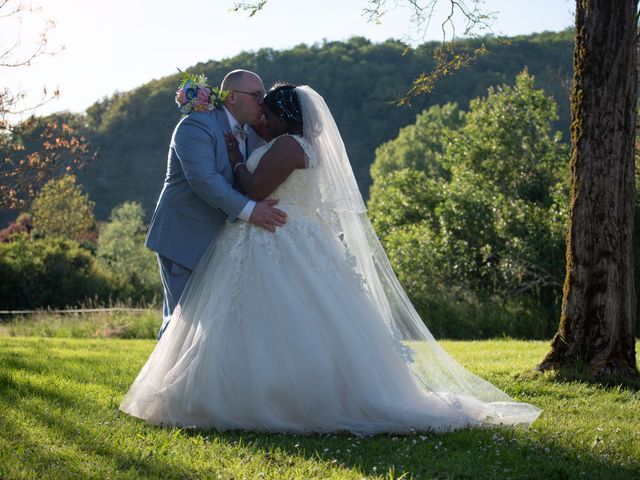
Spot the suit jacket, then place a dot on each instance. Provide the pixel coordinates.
(198, 193)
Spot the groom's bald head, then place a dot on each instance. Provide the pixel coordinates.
(246, 92)
(236, 78)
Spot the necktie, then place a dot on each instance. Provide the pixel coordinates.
(240, 133)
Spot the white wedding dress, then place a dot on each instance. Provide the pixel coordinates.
(282, 333)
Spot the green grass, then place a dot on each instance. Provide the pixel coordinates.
(103, 324)
(59, 418)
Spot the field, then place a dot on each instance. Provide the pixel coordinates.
(59, 418)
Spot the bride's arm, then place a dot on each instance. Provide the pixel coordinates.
(284, 156)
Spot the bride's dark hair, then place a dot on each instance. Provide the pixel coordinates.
(283, 100)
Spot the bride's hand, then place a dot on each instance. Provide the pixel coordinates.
(233, 149)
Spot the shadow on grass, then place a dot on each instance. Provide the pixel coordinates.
(582, 376)
(59, 445)
(472, 453)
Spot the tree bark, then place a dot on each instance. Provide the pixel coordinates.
(597, 325)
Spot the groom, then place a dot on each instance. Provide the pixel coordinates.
(198, 195)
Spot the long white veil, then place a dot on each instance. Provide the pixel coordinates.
(341, 204)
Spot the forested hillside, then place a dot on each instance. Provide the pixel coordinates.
(360, 81)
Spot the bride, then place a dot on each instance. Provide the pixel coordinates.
(306, 330)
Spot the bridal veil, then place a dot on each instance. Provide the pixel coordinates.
(341, 205)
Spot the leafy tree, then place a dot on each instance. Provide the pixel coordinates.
(35, 151)
(403, 197)
(487, 242)
(61, 209)
(508, 151)
(121, 249)
(59, 147)
(419, 146)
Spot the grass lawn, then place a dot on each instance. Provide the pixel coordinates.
(59, 418)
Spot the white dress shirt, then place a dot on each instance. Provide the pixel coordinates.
(245, 213)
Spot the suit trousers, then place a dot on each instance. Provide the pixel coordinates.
(174, 278)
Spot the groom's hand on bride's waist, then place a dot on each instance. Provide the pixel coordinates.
(266, 216)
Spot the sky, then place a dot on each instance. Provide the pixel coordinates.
(104, 46)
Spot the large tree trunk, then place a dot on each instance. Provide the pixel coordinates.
(598, 312)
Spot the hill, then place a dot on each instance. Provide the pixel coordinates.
(359, 79)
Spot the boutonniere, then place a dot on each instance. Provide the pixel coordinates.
(195, 95)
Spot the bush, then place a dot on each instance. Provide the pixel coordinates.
(447, 300)
(50, 272)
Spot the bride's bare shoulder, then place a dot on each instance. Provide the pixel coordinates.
(287, 147)
(287, 141)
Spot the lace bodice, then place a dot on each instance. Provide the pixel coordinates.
(300, 190)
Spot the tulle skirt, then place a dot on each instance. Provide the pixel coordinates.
(278, 333)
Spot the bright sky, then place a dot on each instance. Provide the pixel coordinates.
(115, 45)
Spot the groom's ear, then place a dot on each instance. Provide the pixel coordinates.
(231, 97)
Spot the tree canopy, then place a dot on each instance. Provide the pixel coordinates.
(472, 212)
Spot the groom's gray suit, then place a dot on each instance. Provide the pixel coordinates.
(198, 196)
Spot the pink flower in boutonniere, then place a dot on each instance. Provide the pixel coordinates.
(202, 99)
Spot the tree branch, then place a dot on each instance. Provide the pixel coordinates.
(251, 7)
(11, 102)
(448, 60)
